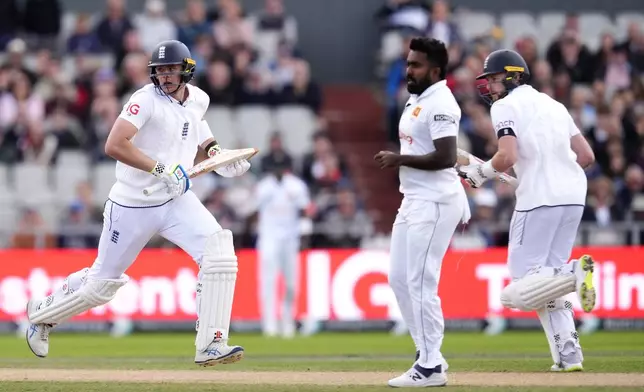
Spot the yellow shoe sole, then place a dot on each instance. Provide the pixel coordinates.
(587, 294)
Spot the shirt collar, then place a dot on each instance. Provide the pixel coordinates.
(430, 90)
(191, 96)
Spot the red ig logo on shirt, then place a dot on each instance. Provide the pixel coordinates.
(133, 109)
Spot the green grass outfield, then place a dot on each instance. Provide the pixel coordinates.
(380, 353)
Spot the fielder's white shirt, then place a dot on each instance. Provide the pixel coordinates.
(168, 132)
(547, 167)
(279, 205)
(432, 115)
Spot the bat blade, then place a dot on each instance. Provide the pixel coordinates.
(210, 164)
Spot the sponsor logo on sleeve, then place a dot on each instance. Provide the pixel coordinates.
(444, 118)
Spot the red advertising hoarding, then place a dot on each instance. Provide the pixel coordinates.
(334, 284)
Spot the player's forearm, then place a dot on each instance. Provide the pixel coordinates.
(430, 162)
(502, 161)
(124, 151)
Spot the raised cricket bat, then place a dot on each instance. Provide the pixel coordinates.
(464, 158)
(220, 160)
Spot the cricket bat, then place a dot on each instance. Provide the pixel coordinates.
(208, 165)
(464, 158)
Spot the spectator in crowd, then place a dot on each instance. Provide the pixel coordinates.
(224, 213)
(273, 18)
(218, 83)
(276, 153)
(104, 110)
(194, 24)
(112, 28)
(634, 45)
(36, 145)
(83, 39)
(406, 15)
(632, 187)
(16, 51)
(81, 227)
(20, 98)
(154, 25)
(32, 232)
(302, 90)
(323, 167)
(528, 49)
(232, 30)
(345, 225)
(601, 207)
(441, 27)
(572, 56)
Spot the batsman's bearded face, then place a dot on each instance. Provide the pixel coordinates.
(418, 72)
(495, 85)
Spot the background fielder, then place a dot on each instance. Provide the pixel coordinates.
(433, 204)
(539, 139)
(156, 136)
(282, 198)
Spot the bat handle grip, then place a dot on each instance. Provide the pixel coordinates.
(154, 188)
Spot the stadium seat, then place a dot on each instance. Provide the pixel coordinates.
(103, 180)
(66, 178)
(254, 125)
(549, 26)
(591, 26)
(73, 157)
(266, 43)
(8, 209)
(297, 125)
(516, 25)
(31, 183)
(475, 24)
(391, 46)
(222, 124)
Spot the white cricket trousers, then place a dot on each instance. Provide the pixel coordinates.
(278, 253)
(542, 237)
(183, 221)
(420, 238)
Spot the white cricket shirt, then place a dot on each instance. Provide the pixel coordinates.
(168, 132)
(432, 115)
(547, 167)
(279, 205)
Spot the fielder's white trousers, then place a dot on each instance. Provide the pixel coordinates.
(183, 221)
(420, 238)
(278, 253)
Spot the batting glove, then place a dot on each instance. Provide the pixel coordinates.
(235, 169)
(174, 176)
(476, 175)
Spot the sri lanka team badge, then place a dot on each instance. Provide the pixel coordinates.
(416, 111)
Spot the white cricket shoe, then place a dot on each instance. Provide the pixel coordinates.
(219, 353)
(37, 334)
(585, 290)
(288, 330)
(567, 367)
(418, 377)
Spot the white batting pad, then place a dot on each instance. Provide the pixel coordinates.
(534, 291)
(58, 308)
(216, 289)
(558, 322)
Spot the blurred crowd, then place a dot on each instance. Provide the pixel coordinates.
(64, 80)
(602, 88)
